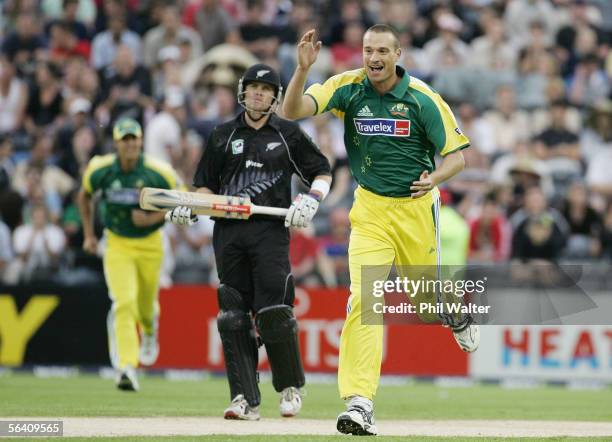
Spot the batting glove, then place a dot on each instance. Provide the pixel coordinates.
(302, 211)
(181, 215)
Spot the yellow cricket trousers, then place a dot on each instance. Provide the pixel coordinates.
(384, 230)
(131, 268)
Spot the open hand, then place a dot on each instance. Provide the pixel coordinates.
(308, 50)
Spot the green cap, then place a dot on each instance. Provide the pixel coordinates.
(126, 126)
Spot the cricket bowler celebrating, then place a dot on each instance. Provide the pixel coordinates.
(133, 253)
(394, 125)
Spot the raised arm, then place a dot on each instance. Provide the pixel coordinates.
(297, 105)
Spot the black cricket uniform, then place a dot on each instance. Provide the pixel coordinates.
(253, 256)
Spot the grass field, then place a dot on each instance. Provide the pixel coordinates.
(91, 396)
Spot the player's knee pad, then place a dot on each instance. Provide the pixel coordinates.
(279, 331)
(235, 326)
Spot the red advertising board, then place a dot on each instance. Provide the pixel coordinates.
(189, 338)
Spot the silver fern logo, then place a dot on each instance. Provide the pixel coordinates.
(252, 182)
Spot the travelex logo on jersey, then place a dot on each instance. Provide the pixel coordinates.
(382, 126)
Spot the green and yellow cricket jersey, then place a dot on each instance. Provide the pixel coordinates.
(390, 139)
(121, 190)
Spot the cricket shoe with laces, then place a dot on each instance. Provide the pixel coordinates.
(468, 336)
(240, 409)
(290, 402)
(149, 349)
(358, 419)
(127, 380)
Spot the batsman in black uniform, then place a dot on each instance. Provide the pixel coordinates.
(255, 155)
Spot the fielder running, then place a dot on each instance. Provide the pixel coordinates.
(255, 155)
(394, 126)
(133, 253)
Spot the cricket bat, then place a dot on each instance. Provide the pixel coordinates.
(236, 207)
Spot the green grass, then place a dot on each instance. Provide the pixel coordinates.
(88, 395)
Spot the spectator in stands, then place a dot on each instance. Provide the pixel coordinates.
(167, 72)
(215, 25)
(598, 130)
(79, 13)
(539, 232)
(585, 224)
(530, 82)
(347, 54)
(413, 59)
(222, 104)
(38, 246)
(45, 102)
(169, 32)
(259, 37)
(68, 15)
(126, 89)
(64, 43)
(540, 118)
(589, 83)
(84, 147)
(79, 116)
(350, 11)
(557, 140)
(598, 177)
(163, 135)
(13, 97)
(104, 45)
(520, 171)
(493, 51)
(490, 233)
(335, 244)
(192, 249)
(521, 14)
(309, 265)
(52, 178)
(510, 125)
(25, 44)
(447, 50)
(576, 38)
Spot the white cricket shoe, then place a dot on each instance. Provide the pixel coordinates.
(468, 337)
(358, 419)
(127, 380)
(290, 402)
(241, 410)
(149, 349)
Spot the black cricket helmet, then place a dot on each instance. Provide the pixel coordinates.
(261, 73)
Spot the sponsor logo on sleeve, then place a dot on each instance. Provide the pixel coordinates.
(382, 126)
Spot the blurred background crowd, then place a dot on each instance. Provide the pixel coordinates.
(529, 81)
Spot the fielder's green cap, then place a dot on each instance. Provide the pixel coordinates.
(125, 127)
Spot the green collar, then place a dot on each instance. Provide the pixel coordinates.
(117, 164)
(400, 88)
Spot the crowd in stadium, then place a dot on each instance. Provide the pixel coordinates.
(529, 81)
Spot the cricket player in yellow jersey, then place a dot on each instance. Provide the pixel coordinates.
(394, 126)
(133, 252)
